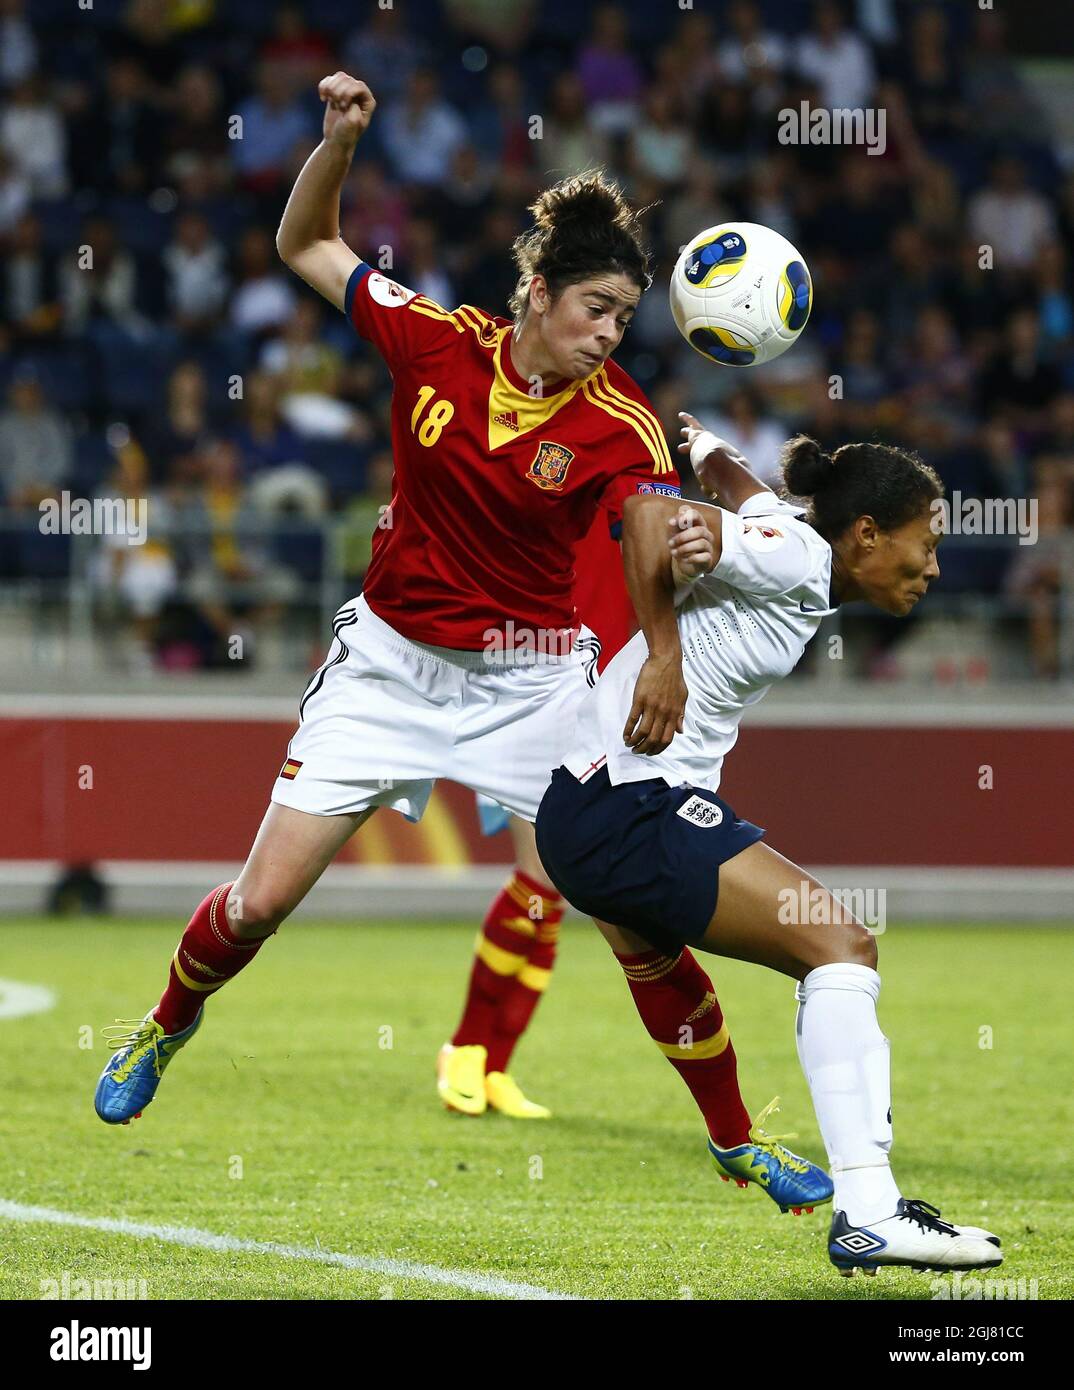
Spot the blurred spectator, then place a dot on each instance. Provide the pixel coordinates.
(422, 133)
(836, 59)
(133, 582)
(173, 438)
(1014, 220)
(32, 134)
(197, 135)
(502, 25)
(100, 285)
(769, 196)
(929, 76)
(660, 146)
(195, 267)
(273, 121)
(302, 54)
(36, 448)
(570, 144)
(264, 439)
(728, 130)
(908, 283)
(1019, 385)
(365, 514)
(264, 297)
(308, 373)
(935, 380)
(148, 35)
(425, 262)
(690, 56)
(610, 74)
(698, 205)
(501, 124)
(1039, 573)
(383, 53)
(865, 375)
(490, 275)
(118, 144)
(937, 206)
(235, 583)
(759, 437)
(1054, 300)
(753, 54)
(29, 291)
(974, 298)
(14, 194)
(1000, 105)
(374, 213)
(18, 47)
(461, 201)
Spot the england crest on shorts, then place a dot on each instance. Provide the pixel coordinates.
(700, 812)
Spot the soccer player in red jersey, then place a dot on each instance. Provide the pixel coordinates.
(462, 658)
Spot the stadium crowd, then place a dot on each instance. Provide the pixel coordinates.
(153, 344)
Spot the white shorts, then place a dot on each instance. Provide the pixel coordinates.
(384, 717)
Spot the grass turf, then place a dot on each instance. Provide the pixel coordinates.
(340, 1141)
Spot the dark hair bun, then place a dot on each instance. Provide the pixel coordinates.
(588, 200)
(806, 469)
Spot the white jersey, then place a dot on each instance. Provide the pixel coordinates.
(742, 627)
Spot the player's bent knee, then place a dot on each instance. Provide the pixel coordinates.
(848, 943)
(860, 947)
(253, 915)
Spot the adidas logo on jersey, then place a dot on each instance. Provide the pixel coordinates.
(508, 419)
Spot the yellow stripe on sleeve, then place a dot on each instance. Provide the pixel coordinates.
(644, 421)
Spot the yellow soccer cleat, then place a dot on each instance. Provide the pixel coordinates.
(460, 1078)
(504, 1095)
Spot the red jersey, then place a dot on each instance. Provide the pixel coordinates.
(494, 488)
(601, 597)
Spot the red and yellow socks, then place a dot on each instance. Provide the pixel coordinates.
(208, 955)
(523, 995)
(514, 953)
(680, 1010)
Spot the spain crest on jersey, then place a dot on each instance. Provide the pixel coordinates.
(549, 467)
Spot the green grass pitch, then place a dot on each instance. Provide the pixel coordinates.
(288, 1119)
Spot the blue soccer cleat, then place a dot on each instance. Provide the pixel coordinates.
(131, 1077)
(793, 1183)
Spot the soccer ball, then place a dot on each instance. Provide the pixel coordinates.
(740, 294)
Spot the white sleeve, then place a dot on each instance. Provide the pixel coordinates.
(766, 553)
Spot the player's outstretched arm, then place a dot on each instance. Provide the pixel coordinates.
(660, 693)
(308, 239)
(721, 470)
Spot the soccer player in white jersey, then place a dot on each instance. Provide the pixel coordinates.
(662, 863)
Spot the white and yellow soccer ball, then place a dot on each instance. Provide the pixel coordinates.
(740, 294)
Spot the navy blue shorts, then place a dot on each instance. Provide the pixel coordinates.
(643, 855)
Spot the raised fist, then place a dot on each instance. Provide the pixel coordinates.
(350, 106)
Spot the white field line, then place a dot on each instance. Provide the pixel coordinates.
(209, 1240)
(17, 999)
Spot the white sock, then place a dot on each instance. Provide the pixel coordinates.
(845, 1058)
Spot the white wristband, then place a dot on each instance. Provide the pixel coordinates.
(702, 446)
